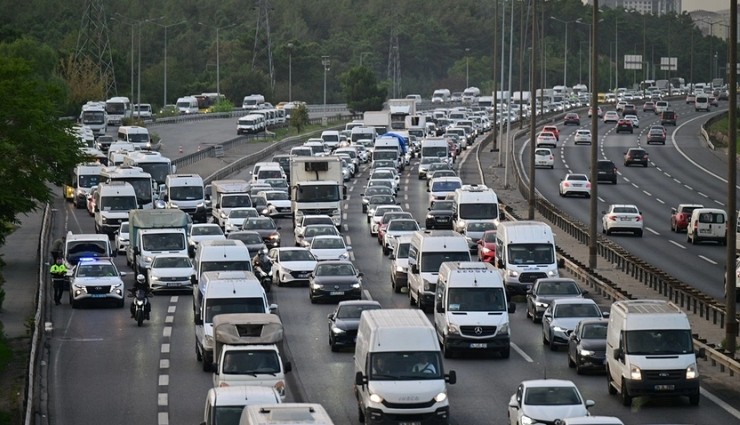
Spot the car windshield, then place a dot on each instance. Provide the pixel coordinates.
(96, 270)
(542, 152)
(382, 175)
(382, 210)
(445, 186)
(576, 310)
(489, 237)
(551, 396)
(243, 213)
(297, 255)
(335, 270)
(206, 231)
(171, 262)
(327, 243)
(277, 196)
(531, 253)
(387, 217)
(257, 223)
(402, 251)
(385, 183)
(480, 227)
(476, 299)
(405, 366)
(353, 311)
(478, 211)
(317, 230)
(216, 306)
(402, 225)
(593, 331)
(431, 261)
(442, 205)
(558, 287)
(248, 238)
(581, 177)
(382, 199)
(317, 220)
(625, 210)
(185, 193)
(124, 228)
(234, 201)
(117, 203)
(659, 341)
(378, 190)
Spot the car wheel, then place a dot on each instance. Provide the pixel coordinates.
(694, 399)
(553, 346)
(360, 414)
(544, 339)
(673, 227)
(333, 345)
(411, 298)
(624, 397)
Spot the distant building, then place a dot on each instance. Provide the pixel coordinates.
(657, 7)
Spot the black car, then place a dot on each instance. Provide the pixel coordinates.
(345, 320)
(545, 290)
(668, 117)
(656, 135)
(587, 345)
(629, 109)
(636, 156)
(267, 229)
(334, 281)
(439, 215)
(624, 125)
(606, 171)
(251, 239)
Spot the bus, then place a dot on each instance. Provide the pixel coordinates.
(136, 177)
(118, 109)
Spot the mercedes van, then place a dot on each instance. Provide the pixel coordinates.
(525, 252)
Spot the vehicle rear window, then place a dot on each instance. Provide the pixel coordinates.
(716, 218)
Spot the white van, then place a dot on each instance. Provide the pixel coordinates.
(268, 170)
(186, 192)
(253, 101)
(187, 105)
(707, 224)
(525, 252)
(470, 309)
(224, 405)
(650, 351)
(113, 200)
(223, 292)
(701, 103)
(285, 414)
(221, 255)
(427, 251)
(474, 203)
(250, 124)
(138, 136)
(331, 138)
(399, 371)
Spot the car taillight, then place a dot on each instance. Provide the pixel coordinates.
(566, 184)
(588, 185)
(639, 218)
(613, 217)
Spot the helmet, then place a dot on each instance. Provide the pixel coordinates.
(263, 251)
(140, 278)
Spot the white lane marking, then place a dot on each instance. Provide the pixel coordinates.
(174, 299)
(162, 399)
(405, 197)
(167, 332)
(165, 348)
(635, 186)
(647, 193)
(352, 256)
(677, 244)
(169, 319)
(719, 202)
(521, 353)
(652, 231)
(351, 188)
(163, 418)
(702, 194)
(349, 241)
(708, 260)
(164, 380)
(345, 227)
(348, 198)
(344, 216)
(721, 403)
(667, 175)
(660, 201)
(407, 206)
(164, 364)
(688, 187)
(171, 309)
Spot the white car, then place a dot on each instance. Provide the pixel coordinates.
(291, 265)
(562, 316)
(396, 228)
(377, 215)
(203, 232)
(545, 401)
(575, 184)
(386, 174)
(611, 116)
(122, 237)
(235, 219)
(543, 157)
(329, 248)
(634, 119)
(547, 138)
(171, 272)
(622, 218)
(278, 203)
(582, 136)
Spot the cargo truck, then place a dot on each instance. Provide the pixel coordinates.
(379, 120)
(400, 109)
(317, 187)
(154, 232)
(228, 194)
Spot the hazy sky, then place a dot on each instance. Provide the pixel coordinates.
(712, 5)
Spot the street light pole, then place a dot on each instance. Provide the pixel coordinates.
(290, 72)
(326, 61)
(467, 68)
(565, 46)
(218, 58)
(164, 98)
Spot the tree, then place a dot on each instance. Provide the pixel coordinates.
(361, 90)
(299, 117)
(37, 148)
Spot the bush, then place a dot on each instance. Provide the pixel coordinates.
(223, 106)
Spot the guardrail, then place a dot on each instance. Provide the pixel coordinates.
(682, 294)
(340, 108)
(709, 135)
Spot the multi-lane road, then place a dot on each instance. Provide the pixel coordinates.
(104, 369)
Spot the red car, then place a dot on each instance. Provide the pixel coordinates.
(552, 129)
(572, 118)
(681, 215)
(623, 125)
(487, 247)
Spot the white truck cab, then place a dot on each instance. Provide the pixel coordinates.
(227, 194)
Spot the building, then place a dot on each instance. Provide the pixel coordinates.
(656, 7)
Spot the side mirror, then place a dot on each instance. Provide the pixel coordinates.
(439, 307)
(288, 366)
(392, 256)
(513, 404)
(702, 353)
(618, 354)
(273, 308)
(360, 274)
(512, 307)
(330, 316)
(590, 403)
(360, 379)
(137, 250)
(499, 264)
(197, 319)
(451, 377)
(561, 263)
(605, 314)
(414, 269)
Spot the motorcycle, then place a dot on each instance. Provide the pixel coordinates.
(141, 306)
(264, 273)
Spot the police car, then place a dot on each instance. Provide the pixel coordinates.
(96, 279)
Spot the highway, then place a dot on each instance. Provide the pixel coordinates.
(104, 369)
(682, 171)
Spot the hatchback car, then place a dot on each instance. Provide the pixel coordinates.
(487, 247)
(582, 136)
(599, 112)
(334, 281)
(377, 216)
(575, 184)
(171, 272)
(291, 265)
(376, 201)
(636, 156)
(545, 290)
(606, 171)
(543, 157)
(624, 125)
(587, 345)
(648, 107)
(611, 116)
(629, 109)
(121, 238)
(622, 218)
(634, 119)
(326, 248)
(562, 316)
(668, 117)
(547, 139)
(571, 118)
(546, 401)
(552, 129)
(251, 239)
(681, 215)
(344, 321)
(236, 216)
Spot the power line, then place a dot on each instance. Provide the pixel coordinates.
(262, 41)
(93, 44)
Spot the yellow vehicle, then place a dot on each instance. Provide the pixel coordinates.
(602, 98)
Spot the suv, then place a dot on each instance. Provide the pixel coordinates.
(624, 125)
(606, 171)
(96, 279)
(636, 156)
(656, 135)
(668, 117)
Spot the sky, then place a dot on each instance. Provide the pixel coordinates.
(711, 5)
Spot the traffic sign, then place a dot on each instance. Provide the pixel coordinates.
(632, 61)
(668, 64)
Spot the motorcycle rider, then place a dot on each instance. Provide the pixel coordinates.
(58, 273)
(140, 284)
(261, 263)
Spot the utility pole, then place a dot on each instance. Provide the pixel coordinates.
(494, 147)
(533, 116)
(262, 39)
(594, 201)
(732, 325)
(326, 61)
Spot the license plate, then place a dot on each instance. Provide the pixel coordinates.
(602, 172)
(173, 284)
(409, 423)
(444, 219)
(664, 387)
(97, 295)
(336, 293)
(625, 219)
(478, 345)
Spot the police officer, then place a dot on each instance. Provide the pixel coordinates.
(58, 274)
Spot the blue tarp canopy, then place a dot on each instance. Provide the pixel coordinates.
(401, 138)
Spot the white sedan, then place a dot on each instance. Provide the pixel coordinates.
(622, 218)
(327, 247)
(611, 116)
(582, 136)
(634, 119)
(543, 157)
(545, 401)
(575, 184)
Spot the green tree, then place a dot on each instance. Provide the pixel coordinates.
(38, 148)
(361, 90)
(299, 117)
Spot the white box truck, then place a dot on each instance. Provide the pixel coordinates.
(379, 120)
(650, 351)
(247, 351)
(155, 232)
(317, 187)
(228, 194)
(399, 371)
(94, 116)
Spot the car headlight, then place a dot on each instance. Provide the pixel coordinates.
(503, 329)
(586, 352)
(78, 286)
(692, 372)
(275, 236)
(357, 285)
(461, 224)
(200, 205)
(512, 273)
(376, 398)
(172, 205)
(148, 259)
(400, 269)
(526, 420)
(104, 219)
(427, 285)
(485, 250)
(315, 285)
(335, 330)
(552, 273)
(430, 217)
(559, 329)
(453, 329)
(344, 256)
(540, 304)
(636, 373)
(154, 278)
(440, 397)
(123, 240)
(336, 212)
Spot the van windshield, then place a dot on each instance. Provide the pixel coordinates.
(186, 193)
(391, 154)
(404, 366)
(218, 266)
(476, 299)
(163, 242)
(539, 254)
(659, 341)
(117, 203)
(234, 201)
(477, 211)
(227, 414)
(430, 261)
(216, 306)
